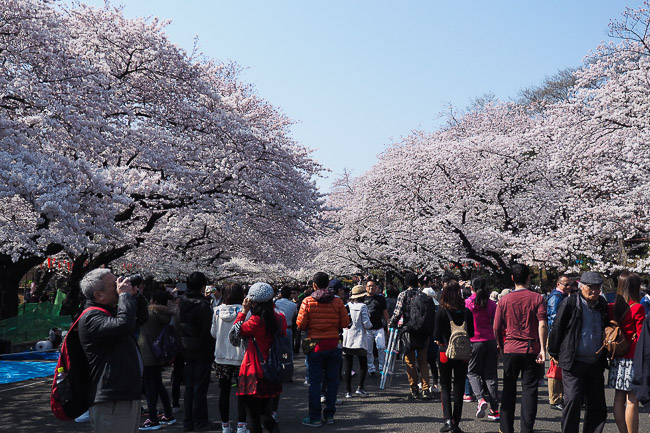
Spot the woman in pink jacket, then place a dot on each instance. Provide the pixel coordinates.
(482, 369)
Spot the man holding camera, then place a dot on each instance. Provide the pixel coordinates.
(113, 356)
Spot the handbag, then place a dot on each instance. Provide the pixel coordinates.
(308, 345)
(554, 371)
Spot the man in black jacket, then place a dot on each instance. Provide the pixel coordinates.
(112, 352)
(576, 337)
(198, 351)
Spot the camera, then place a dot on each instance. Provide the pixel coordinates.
(135, 280)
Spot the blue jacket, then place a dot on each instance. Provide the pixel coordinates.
(553, 303)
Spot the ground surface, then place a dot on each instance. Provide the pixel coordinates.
(25, 408)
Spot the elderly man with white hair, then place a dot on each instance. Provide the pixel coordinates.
(106, 335)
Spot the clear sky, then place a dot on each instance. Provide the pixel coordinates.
(356, 75)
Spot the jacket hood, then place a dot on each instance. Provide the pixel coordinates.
(228, 313)
(163, 310)
(192, 304)
(323, 295)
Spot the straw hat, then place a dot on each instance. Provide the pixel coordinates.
(358, 292)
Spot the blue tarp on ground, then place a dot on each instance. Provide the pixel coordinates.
(15, 371)
(30, 356)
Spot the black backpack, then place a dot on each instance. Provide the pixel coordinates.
(165, 346)
(421, 313)
(278, 368)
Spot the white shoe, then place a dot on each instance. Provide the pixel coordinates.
(225, 428)
(242, 429)
(84, 417)
(323, 399)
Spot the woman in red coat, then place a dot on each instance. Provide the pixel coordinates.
(630, 314)
(260, 327)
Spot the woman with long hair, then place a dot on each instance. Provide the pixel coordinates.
(260, 328)
(228, 358)
(482, 368)
(452, 308)
(629, 314)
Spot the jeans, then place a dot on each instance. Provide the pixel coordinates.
(197, 381)
(459, 371)
(379, 338)
(482, 371)
(326, 365)
(584, 380)
(513, 365)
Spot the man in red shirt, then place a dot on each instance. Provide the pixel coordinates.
(520, 330)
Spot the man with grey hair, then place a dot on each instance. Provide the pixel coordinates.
(106, 335)
(575, 344)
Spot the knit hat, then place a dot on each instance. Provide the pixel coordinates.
(260, 292)
(358, 292)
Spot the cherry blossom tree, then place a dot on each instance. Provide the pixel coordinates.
(116, 143)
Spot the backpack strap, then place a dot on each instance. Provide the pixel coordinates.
(453, 325)
(87, 310)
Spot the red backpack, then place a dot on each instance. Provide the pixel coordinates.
(69, 398)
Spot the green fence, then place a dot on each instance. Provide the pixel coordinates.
(34, 321)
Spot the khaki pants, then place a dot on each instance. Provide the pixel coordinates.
(555, 389)
(411, 372)
(115, 416)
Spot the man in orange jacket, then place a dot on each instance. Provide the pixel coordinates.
(322, 314)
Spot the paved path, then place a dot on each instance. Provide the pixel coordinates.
(25, 408)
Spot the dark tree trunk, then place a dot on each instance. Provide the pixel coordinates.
(10, 276)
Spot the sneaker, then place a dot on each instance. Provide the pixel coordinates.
(415, 394)
(328, 419)
(323, 399)
(242, 428)
(494, 415)
(305, 383)
(148, 425)
(274, 415)
(167, 420)
(362, 392)
(225, 427)
(427, 395)
(467, 398)
(311, 422)
(558, 406)
(348, 395)
(84, 417)
(482, 407)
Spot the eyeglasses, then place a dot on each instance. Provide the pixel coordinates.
(564, 284)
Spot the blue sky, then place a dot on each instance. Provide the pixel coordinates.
(357, 75)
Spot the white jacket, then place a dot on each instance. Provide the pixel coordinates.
(354, 337)
(222, 320)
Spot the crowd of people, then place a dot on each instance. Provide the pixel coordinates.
(452, 337)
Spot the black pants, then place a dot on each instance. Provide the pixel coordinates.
(197, 381)
(258, 414)
(459, 371)
(433, 353)
(178, 373)
(153, 387)
(584, 380)
(515, 364)
(224, 402)
(363, 370)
